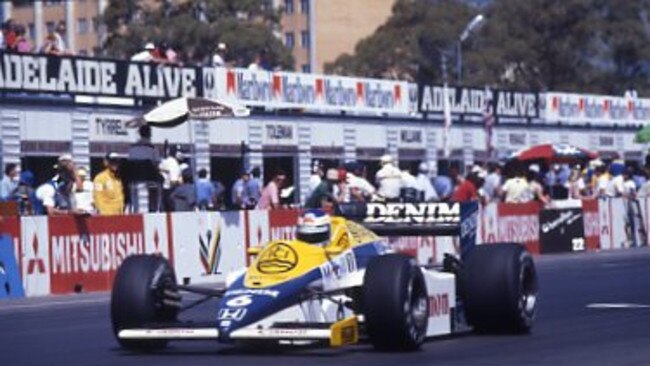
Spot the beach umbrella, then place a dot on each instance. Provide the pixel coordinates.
(554, 154)
(178, 111)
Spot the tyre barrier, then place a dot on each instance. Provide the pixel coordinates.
(65, 254)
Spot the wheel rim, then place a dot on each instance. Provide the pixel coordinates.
(417, 310)
(528, 299)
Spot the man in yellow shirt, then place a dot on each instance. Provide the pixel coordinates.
(108, 190)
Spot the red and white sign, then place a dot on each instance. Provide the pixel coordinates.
(592, 224)
(36, 256)
(595, 109)
(86, 252)
(306, 91)
(11, 226)
(507, 223)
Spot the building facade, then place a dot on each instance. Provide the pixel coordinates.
(318, 31)
(82, 19)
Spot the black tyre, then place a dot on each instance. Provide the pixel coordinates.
(499, 288)
(141, 285)
(395, 303)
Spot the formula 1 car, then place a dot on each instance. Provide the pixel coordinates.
(354, 289)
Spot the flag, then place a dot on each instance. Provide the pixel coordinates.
(447, 119)
(488, 124)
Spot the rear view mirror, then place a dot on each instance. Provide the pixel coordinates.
(254, 250)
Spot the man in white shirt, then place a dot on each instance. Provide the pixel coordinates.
(516, 189)
(84, 194)
(423, 183)
(389, 179)
(616, 185)
(218, 59)
(359, 189)
(171, 172)
(145, 55)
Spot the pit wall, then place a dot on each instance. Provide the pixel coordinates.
(59, 255)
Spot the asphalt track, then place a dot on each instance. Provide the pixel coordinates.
(75, 330)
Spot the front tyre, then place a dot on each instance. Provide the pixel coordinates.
(144, 287)
(395, 303)
(499, 288)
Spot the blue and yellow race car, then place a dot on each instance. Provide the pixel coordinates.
(339, 283)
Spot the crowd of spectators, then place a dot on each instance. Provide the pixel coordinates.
(14, 37)
(511, 182)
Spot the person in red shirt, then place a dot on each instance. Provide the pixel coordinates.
(468, 189)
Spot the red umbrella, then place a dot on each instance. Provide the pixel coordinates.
(555, 153)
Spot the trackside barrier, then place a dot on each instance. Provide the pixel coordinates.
(59, 255)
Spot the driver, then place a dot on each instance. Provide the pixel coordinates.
(314, 227)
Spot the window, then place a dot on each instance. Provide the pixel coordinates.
(288, 6)
(49, 26)
(306, 68)
(95, 25)
(304, 6)
(83, 52)
(32, 30)
(304, 39)
(289, 40)
(82, 25)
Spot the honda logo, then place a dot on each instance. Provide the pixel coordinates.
(231, 314)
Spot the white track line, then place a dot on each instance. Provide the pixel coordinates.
(617, 306)
(47, 304)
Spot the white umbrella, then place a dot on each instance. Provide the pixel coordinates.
(179, 110)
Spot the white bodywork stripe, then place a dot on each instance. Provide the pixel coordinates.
(281, 333)
(169, 333)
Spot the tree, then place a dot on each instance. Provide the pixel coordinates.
(195, 27)
(597, 46)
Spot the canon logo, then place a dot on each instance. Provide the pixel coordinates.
(413, 213)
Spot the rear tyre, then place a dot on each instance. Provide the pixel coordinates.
(395, 303)
(499, 288)
(140, 296)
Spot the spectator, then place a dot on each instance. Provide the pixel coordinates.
(270, 198)
(50, 46)
(423, 184)
(256, 64)
(467, 190)
(601, 180)
(629, 186)
(171, 172)
(26, 195)
(8, 35)
(535, 188)
(515, 189)
(56, 195)
(316, 177)
(616, 185)
(324, 194)
(59, 35)
(142, 167)
(240, 197)
(108, 190)
(9, 183)
(409, 187)
(577, 185)
(204, 191)
(644, 191)
(219, 57)
(84, 192)
(444, 184)
(492, 185)
(146, 55)
(359, 189)
(389, 179)
(184, 195)
(22, 44)
(254, 186)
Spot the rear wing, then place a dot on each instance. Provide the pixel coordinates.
(417, 219)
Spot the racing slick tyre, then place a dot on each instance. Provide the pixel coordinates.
(395, 303)
(498, 286)
(144, 288)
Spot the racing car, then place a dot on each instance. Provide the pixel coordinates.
(340, 283)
